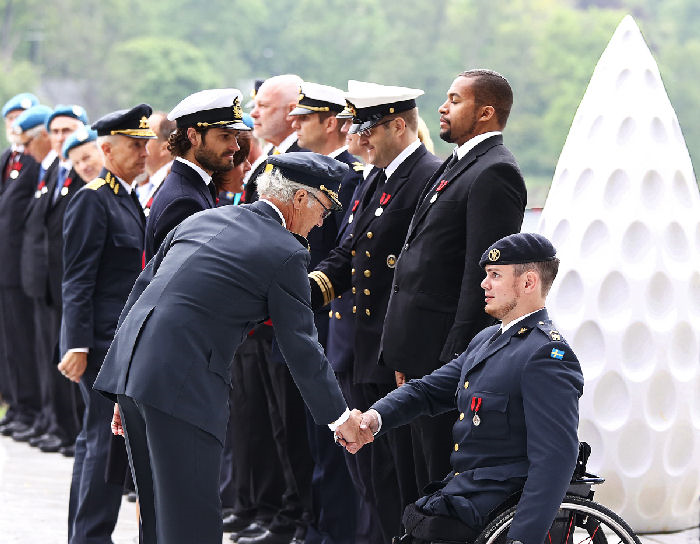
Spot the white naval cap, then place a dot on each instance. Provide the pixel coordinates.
(314, 97)
(210, 108)
(369, 102)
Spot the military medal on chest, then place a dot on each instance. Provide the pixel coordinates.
(383, 201)
(476, 404)
(66, 184)
(16, 167)
(40, 189)
(443, 183)
(352, 214)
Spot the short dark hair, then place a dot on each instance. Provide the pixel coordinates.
(244, 140)
(323, 115)
(165, 127)
(179, 143)
(410, 117)
(492, 89)
(546, 270)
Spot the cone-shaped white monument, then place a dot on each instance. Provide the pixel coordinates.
(624, 214)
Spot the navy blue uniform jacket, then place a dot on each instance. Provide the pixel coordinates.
(437, 304)
(216, 275)
(530, 381)
(102, 249)
(182, 193)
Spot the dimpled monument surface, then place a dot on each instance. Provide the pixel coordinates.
(624, 213)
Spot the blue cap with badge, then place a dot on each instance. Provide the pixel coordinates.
(81, 136)
(30, 118)
(21, 101)
(313, 170)
(523, 247)
(132, 123)
(72, 110)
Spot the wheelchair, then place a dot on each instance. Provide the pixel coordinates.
(579, 519)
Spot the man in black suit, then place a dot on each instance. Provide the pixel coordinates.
(517, 388)
(42, 271)
(169, 366)
(387, 120)
(103, 244)
(476, 197)
(205, 141)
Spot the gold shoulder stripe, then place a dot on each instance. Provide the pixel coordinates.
(324, 284)
(358, 166)
(95, 184)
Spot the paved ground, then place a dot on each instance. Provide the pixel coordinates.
(34, 501)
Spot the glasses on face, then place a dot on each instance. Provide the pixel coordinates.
(326, 211)
(368, 131)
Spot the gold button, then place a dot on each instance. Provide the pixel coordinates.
(367, 253)
(352, 234)
(352, 253)
(330, 313)
(337, 315)
(354, 290)
(352, 271)
(367, 292)
(367, 311)
(456, 447)
(456, 473)
(461, 416)
(339, 297)
(369, 235)
(354, 309)
(368, 273)
(466, 384)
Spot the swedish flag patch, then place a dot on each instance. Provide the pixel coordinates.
(557, 354)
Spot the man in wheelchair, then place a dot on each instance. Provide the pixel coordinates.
(516, 389)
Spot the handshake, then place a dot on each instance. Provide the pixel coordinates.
(358, 430)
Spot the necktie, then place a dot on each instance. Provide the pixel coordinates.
(377, 184)
(62, 175)
(212, 190)
(453, 160)
(495, 336)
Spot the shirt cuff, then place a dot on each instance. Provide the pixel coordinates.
(79, 350)
(342, 419)
(379, 420)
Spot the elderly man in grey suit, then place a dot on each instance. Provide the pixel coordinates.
(214, 277)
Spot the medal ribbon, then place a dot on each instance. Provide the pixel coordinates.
(476, 404)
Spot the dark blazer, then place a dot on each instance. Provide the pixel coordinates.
(182, 193)
(437, 304)
(187, 315)
(103, 237)
(4, 157)
(250, 191)
(14, 202)
(364, 261)
(529, 382)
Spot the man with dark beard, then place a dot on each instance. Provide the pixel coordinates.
(205, 140)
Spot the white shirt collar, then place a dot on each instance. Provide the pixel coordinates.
(284, 223)
(393, 165)
(517, 320)
(205, 177)
(467, 146)
(287, 143)
(48, 160)
(159, 175)
(128, 188)
(334, 154)
(67, 164)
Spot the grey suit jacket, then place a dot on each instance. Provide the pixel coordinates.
(216, 275)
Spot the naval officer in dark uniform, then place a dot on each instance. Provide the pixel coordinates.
(387, 120)
(103, 244)
(215, 276)
(516, 388)
(205, 141)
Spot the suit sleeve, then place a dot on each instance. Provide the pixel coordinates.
(290, 310)
(550, 389)
(84, 237)
(332, 276)
(430, 395)
(495, 208)
(174, 214)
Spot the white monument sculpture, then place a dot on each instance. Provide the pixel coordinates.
(624, 213)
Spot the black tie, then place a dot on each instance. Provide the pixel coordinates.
(495, 336)
(453, 160)
(377, 183)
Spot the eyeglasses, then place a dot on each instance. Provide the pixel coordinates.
(368, 131)
(326, 211)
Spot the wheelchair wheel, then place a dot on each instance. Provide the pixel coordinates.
(578, 521)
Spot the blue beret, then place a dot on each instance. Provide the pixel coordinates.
(81, 136)
(22, 101)
(313, 170)
(248, 120)
(132, 123)
(524, 247)
(34, 116)
(62, 110)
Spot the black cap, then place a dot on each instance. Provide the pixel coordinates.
(132, 123)
(524, 247)
(313, 170)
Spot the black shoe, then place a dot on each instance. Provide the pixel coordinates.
(268, 537)
(131, 496)
(26, 436)
(53, 444)
(234, 523)
(296, 540)
(254, 529)
(67, 451)
(13, 427)
(35, 441)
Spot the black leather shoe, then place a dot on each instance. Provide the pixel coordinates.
(254, 529)
(13, 427)
(35, 441)
(67, 451)
(26, 436)
(234, 523)
(296, 540)
(268, 537)
(52, 444)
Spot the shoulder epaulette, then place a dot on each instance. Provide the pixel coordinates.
(95, 184)
(547, 327)
(112, 182)
(357, 166)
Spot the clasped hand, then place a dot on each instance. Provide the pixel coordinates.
(358, 430)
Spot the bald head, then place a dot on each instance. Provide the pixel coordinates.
(274, 100)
